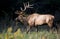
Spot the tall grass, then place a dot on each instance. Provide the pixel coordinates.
(33, 35)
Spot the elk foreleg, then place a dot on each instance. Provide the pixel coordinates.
(28, 29)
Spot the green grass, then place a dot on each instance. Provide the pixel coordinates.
(32, 35)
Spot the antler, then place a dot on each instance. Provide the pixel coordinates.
(26, 5)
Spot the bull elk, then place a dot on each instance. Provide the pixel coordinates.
(34, 19)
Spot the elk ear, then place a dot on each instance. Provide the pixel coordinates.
(20, 12)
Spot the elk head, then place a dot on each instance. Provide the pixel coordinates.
(21, 13)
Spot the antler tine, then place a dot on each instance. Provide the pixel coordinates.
(24, 7)
(29, 6)
(21, 9)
